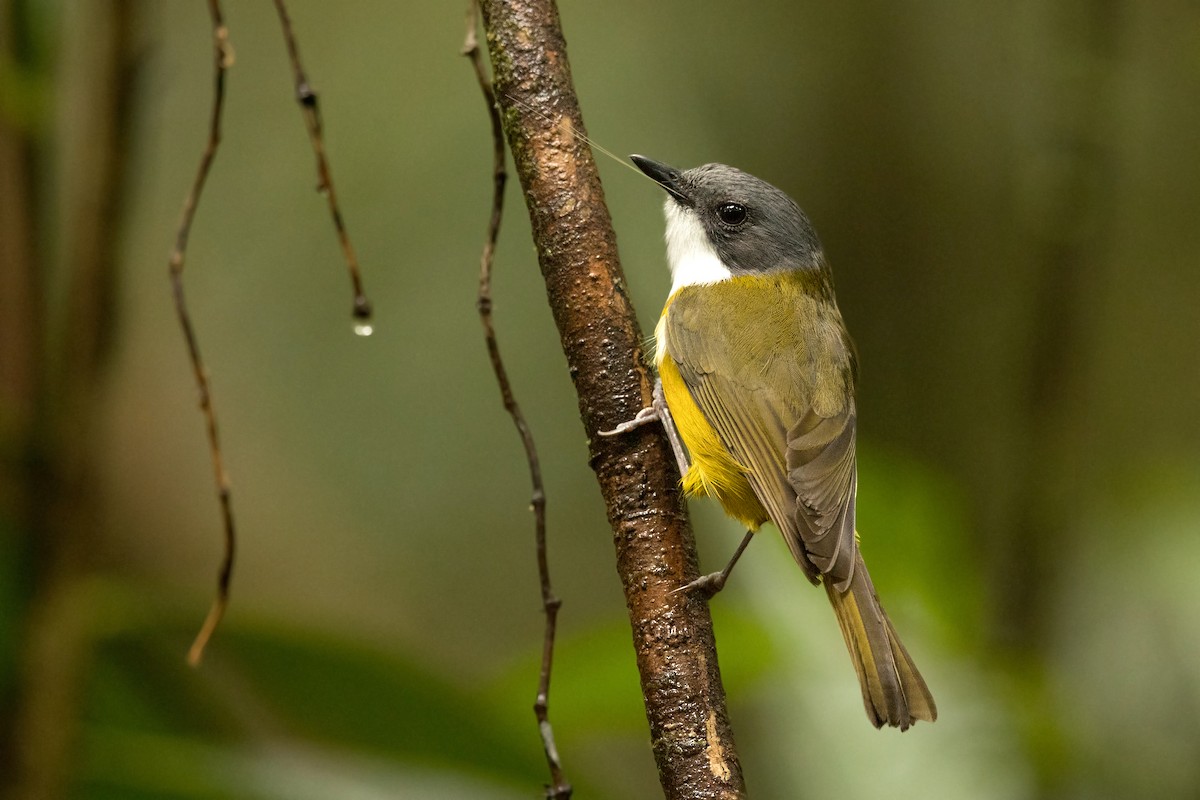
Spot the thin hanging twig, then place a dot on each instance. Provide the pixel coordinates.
(222, 60)
(559, 788)
(306, 96)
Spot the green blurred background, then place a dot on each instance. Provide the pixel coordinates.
(1008, 193)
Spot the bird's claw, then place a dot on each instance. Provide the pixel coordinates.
(647, 414)
(708, 585)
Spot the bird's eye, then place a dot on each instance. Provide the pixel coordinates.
(732, 213)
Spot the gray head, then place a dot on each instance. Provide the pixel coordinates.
(722, 222)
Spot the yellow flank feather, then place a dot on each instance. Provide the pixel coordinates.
(713, 471)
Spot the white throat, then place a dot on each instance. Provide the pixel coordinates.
(689, 252)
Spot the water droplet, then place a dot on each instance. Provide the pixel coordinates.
(363, 329)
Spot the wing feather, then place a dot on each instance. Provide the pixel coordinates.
(761, 400)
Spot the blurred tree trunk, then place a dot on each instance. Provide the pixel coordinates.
(52, 356)
(1069, 243)
(1069, 240)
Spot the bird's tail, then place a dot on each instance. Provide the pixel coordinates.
(893, 690)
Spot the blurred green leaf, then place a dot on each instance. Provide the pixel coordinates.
(155, 725)
(127, 765)
(338, 691)
(595, 688)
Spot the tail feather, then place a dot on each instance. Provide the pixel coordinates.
(894, 692)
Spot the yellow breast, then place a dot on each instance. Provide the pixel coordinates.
(713, 470)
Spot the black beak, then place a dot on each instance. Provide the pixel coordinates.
(669, 178)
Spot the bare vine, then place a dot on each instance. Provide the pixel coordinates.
(222, 60)
(306, 96)
(559, 788)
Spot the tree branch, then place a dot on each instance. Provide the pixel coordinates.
(559, 788)
(672, 632)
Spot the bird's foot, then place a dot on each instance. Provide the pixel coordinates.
(657, 411)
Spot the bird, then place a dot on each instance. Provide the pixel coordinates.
(756, 378)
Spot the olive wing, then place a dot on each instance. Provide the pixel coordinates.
(757, 392)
